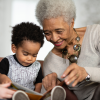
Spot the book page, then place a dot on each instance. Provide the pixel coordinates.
(20, 87)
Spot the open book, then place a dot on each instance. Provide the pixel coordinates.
(32, 95)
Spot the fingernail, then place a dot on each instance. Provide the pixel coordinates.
(63, 75)
(67, 82)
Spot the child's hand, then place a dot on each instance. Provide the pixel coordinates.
(7, 80)
(4, 79)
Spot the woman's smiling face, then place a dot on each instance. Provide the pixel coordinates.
(57, 31)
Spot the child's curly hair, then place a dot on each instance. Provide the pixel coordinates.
(27, 31)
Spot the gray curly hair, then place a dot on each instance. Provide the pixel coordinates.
(55, 8)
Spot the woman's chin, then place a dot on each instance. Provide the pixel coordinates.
(60, 47)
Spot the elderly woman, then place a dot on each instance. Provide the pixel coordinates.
(75, 57)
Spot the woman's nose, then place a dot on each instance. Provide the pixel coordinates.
(54, 37)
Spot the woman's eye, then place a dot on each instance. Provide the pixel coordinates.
(25, 54)
(47, 34)
(59, 32)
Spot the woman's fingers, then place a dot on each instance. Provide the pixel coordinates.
(75, 82)
(49, 81)
(67, 71)
(45, 82)
(71, 79)
(54, 82)
(75, 74)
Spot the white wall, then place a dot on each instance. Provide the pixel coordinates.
(15, 11)
(24, 10)
(5, 22)
(88, 12)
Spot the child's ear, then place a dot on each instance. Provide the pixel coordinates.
(13, 47)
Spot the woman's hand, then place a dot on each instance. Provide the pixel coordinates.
(74, 74)
(49, 81)
(5, 92)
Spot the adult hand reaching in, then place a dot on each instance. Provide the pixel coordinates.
(74, 74)
(5, 92)
(50, 81)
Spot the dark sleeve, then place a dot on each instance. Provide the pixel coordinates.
(4, 66)
(39, 76)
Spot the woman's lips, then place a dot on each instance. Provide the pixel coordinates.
(58, 43)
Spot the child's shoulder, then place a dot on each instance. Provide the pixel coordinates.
(6, 58)
(10, 56)
(37, 63)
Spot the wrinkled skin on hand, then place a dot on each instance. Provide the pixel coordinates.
(50, 81)
(74, 74)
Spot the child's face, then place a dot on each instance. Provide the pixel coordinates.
(27, 52)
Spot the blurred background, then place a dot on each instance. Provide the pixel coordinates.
(13, 12)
